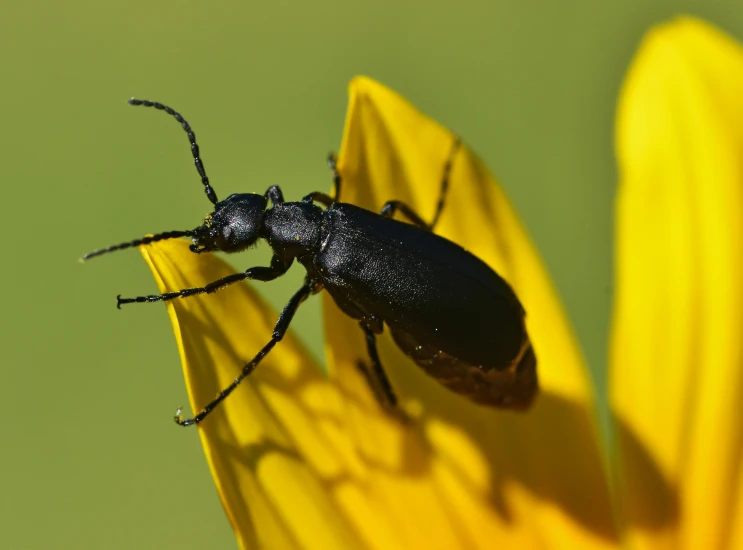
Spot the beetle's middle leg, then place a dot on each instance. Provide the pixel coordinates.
(389, 209)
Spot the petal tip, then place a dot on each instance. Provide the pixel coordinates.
(362, 84)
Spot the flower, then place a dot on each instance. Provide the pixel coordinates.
(307, 460)
(676, 379)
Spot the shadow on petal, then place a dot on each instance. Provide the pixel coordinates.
(541, 472)
(545, 451)
(660, 509)
(391, 151)
(298, 458)
(269, 445)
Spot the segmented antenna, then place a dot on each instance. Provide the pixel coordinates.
(210, 194)
(145, 240)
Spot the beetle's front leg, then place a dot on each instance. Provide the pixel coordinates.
(259, 273)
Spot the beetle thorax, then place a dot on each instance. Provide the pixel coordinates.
(293, 228)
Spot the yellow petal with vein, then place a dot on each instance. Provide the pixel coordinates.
(676, 377)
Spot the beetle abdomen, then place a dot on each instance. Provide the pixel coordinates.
(446, 309)
(512, 386)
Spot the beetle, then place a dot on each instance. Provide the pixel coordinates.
(445, 308)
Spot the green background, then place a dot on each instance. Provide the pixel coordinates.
(90, 457)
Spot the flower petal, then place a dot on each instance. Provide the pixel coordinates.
(273, 446)
(676, 376)
(465, 475)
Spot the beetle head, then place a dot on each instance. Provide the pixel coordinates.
(235, 224)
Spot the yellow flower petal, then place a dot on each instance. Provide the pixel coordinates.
(676, 376)
(273, 446)
(516, 478)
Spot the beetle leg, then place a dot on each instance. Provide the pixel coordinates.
(259, 273)
(324, 198)
(315, 286)
(390, 207)
(320, 197)
(274, 194)
(279, 331)
(445, 181)
(332, 161)
(377, 378)
(373, 384)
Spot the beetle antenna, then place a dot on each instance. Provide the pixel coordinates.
(145, 240)
(210, 194)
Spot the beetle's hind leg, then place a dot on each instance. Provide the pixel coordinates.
(445, 181)
(324, 198)
(332, 164)
(377, 378)
(389, 209)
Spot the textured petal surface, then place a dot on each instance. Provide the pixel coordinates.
(274, 446)
(676, 377)
(464, 475)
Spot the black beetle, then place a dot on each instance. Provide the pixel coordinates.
(446, 309)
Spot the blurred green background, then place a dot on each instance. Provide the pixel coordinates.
(91, 458)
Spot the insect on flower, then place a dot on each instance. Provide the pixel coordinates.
(445, 308)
